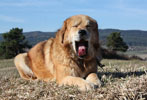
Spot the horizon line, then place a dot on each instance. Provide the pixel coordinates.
(98, 29)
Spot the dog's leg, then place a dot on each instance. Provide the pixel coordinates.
(24, 70)
(77, 81)
(93, 78)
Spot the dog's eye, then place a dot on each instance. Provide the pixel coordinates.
(75, 26)
(88, 26)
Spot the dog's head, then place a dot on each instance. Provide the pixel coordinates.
(81, 32)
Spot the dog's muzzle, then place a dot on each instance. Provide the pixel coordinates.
(82, 33)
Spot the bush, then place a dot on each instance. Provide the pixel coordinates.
(14, 42)
(115, 42)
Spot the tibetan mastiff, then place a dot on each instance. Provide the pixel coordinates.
(69, 58)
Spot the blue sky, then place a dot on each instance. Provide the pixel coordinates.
(48, 15)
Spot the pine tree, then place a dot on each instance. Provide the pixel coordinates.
(115, 42)
(14, 43)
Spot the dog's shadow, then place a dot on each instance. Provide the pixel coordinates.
(121, 74)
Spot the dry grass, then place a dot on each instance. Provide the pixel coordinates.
(6, 63)
(123, 80)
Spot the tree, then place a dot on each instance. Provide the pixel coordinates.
(14, 42)
(116, 43)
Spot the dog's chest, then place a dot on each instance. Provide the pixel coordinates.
(82, 69)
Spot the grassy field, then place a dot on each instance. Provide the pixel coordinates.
(6, 63)
(123, 80)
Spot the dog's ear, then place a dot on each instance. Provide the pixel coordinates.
(96, 44)
(96, 35)
(61, 32)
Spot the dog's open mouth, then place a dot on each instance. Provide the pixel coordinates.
(81, 48)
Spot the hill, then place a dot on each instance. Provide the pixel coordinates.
(131, 37)
(37, 36)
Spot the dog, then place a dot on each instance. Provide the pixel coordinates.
(70, 58)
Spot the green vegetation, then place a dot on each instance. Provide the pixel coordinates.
(14, 43)
(123, 80)
(116, 43)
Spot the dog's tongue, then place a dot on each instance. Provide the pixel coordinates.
(82, 50)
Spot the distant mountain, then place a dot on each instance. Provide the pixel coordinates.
(131, 37)
(1, 37)
(37, 36)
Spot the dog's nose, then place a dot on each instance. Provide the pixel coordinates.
(82, 32)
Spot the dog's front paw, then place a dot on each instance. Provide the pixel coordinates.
(92, 78)
(98, 83)
(87, 86)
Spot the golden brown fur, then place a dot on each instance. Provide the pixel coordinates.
(56, 58)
